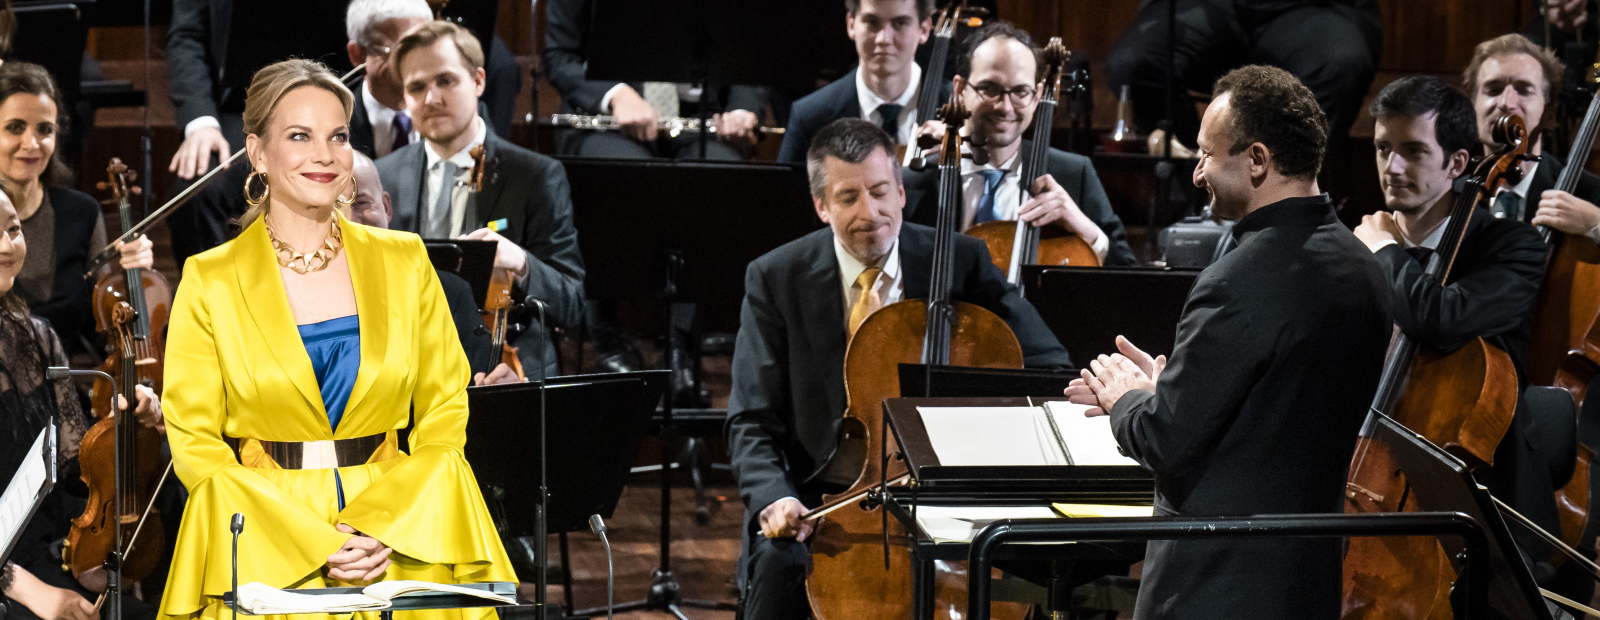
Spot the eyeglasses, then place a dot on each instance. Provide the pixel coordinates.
(380, 50)
(1020, 95)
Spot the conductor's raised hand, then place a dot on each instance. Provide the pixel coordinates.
(781, 519)
(361, 558)
(1079, 392)
(194, 155)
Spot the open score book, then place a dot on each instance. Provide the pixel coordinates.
(1054, 434)
(261, 599)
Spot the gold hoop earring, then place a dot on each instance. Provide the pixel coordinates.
(265, 191)
(346, 202)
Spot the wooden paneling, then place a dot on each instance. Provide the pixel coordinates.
(1438, 37)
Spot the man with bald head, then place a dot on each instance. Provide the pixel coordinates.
(997, 77)
(372, 207)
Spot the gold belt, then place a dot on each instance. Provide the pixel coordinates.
(323, 454)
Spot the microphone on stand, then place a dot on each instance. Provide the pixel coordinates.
(598, 526)
(236, 527)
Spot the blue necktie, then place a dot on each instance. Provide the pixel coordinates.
(991, 181)
(889, 116)
(1507, 203)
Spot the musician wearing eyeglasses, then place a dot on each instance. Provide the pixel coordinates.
(997, 76)
(524, 204)
(380, 124)
(882, 88)
(803, 302)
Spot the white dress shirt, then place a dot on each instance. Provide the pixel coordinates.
(907, 101)
(1007, 197)
(382, 119)
(1430, 242)
(891, 285)
(463, 160)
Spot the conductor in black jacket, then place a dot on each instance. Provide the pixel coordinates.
(997, 77)
(788, 362)
(1278, 354)
(1494, 281)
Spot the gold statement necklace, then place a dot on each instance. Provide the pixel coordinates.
(303, 263)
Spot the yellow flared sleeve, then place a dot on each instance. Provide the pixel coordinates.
(278, 526)
(429, 507)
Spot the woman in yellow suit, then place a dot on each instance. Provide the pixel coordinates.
(294, 354)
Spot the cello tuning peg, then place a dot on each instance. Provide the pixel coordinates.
(136, 190)
(100, 185)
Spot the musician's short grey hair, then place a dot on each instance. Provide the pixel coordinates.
(364, 15)
(849, 140)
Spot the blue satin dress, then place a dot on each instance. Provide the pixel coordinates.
(334, 346)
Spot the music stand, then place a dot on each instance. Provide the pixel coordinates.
(932, 381)
(472, 260)
(597, 422)
(30, 484)
(1138, 302)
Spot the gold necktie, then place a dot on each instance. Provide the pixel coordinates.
(866, 302)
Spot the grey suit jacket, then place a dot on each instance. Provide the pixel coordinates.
(788, 361)
(1074, 172)
(529, 191)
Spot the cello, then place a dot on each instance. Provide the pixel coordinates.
(1463, 402)
(944, 31)
(852, 575)
(1013, 243)
(131, 309)
(497, 304)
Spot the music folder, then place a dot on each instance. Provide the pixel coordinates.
(471, 259)
(592, 429)
(31, 482)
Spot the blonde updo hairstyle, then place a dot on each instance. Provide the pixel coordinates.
(267, 88)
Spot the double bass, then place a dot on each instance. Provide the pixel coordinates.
(861, 564)
(1014, 243)
(1463, 402)
(120, 458)
(929, 91)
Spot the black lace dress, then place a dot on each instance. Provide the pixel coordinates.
(27, 403)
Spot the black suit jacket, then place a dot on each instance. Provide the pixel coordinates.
(1545, 177)
(814, 111)
(197, 44)
(1278, 355)
(530, 192)
(1074, 172)
(788, 362)
(566, 51)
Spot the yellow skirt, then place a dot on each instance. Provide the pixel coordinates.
(426, 506)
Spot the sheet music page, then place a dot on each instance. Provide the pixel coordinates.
(966, 436)
(261, 599)
(23, 490)
(1088, 439)
(961, 523)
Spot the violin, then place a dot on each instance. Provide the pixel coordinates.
(861, 560)
(122, 466)
(498, 304)
(1012, 243)
(1463, 402)
(944, 31)
(146, 290)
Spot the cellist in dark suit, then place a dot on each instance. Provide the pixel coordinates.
(1279, 352)
(802, 302)
(997, 77)
(525, 204)
(1493, 286)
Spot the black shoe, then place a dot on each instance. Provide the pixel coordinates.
(620, 358)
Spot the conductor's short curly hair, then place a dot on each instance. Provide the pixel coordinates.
(1271, 107)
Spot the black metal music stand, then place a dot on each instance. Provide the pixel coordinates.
(415, 601)
(596, 423)
(704, 237)
(472, 260)
(933, 381)
(1141, 303)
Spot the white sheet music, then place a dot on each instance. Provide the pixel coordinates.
(26, 484)
(1090, 440)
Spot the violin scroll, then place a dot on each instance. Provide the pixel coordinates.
(119, 181)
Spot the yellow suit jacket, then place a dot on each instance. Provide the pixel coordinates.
(236, 368)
